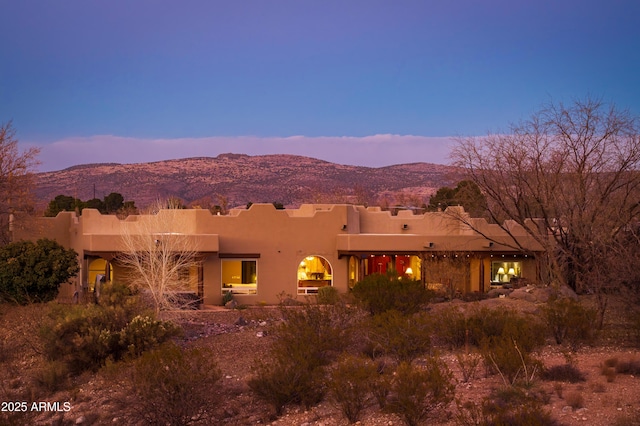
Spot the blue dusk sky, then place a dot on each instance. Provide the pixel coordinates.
(362, 82)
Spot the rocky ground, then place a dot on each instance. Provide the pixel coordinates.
(240, 337)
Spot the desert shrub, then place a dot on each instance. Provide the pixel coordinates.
(174, 386)
(457, 329)
(350, 384)
(634, 326)
(609, 373)
(450, 327)
(308, 339)
(468, 364)
(570, 322)
(513, 406)
(563, 373)
(315, 332)
(631, 367)
(84, 337)
(52, 376)
(227, 297)
(328, 295)
(144, 333)
(32, 272)
(379, 293)
(574, 399)
(506, 357)
(117, 294)
(403, 337)
(486, 324)
(380, 388)
(288, 380)
(419, 393)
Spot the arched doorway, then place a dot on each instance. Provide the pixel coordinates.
(314, 272)
(99, 270)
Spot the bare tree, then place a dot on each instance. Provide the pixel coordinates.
(16, 178)
(573, 168)
(159, 257)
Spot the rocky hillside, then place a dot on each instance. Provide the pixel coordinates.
(235, 179)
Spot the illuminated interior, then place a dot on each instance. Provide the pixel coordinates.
(404, 265)
(98, 269)
(240, 276)
(503, 272)
(314, 272)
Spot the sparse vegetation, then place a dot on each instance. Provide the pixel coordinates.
(570, 322)
(350, 385)
(309, 339)
(563, 373)
(312, 357)
(419, 393)
(403, 337)
(170, 385)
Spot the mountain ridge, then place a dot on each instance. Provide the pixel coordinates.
(237, 179)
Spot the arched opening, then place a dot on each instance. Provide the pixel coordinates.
(314, 272)
(99, 271)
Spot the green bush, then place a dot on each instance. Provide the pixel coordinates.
(174, 386)
(379, 293)
(328, 295)
(32, 272)
(144, 333)
(117, 294)
(570, 322)
(403, 337)
(419, 393)
(350, 384)
(84, 337)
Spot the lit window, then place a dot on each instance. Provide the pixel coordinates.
(314, 272)
(240, 276)
(504, 272)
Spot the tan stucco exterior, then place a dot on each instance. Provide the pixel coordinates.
(279, 247)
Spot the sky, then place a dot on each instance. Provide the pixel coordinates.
(361, 82)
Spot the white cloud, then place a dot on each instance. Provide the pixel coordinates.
(371, 151)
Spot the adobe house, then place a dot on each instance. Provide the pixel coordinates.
(261, 252)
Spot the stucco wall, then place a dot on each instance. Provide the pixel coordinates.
(280, 239)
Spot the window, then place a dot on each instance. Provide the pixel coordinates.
(314, 272)
(240, 276)
(504, 272)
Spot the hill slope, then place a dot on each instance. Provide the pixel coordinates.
(288, 179)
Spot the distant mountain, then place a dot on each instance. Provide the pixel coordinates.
(237, 179)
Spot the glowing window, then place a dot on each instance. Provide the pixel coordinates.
(314, 272)
(504, 272)
(240, 276)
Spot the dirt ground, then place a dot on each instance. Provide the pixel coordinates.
(237, 344)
